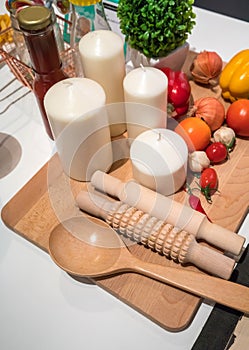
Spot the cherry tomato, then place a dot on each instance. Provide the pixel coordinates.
(237, 117)
(208, 183)
(217, 152)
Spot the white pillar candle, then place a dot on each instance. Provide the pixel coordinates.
(145, 86)
(159, 160)
(102, 57)
(77, 115)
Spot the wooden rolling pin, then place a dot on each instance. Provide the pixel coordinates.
(164, 208)
(160, 236)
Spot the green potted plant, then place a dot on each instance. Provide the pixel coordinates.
(156, 29)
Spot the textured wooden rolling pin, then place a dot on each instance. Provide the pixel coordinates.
(160, 236)
(164, 208)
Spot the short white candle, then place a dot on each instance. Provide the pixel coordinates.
(145, 86)
(79, 122)
(159, 160)
(102, 57)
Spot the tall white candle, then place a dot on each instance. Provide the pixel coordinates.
(159, 160)
(77, 115)
(146, 86)
(102, 57)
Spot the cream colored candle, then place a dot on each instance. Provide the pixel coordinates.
(102, 57)
(77, 115)
(159, 160)
(143, 87)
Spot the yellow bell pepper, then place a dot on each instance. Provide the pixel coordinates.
(234, 78)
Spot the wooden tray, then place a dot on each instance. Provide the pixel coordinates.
(48, 198)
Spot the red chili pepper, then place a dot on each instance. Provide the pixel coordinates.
(179, 91)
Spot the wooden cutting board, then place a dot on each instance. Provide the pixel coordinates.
(48, 198)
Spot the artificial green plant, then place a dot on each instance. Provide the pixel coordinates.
(156, 27)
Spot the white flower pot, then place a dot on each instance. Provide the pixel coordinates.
(173, 60)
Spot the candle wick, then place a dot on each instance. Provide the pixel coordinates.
(159, 137)
(67, 83)
(141, 65)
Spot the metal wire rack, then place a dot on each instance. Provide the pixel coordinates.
(22, 71)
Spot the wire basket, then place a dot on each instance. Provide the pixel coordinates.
(22, 71)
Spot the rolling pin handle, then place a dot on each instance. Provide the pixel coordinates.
(95, 204)
(210, 260)
(107, 183)
(221, 237)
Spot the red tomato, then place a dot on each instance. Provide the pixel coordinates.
(195, 132)
(217, 152)
(237, 117)
(209, 183)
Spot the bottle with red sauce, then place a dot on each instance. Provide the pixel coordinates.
(36, 23)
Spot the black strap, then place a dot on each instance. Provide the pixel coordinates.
(217, 333)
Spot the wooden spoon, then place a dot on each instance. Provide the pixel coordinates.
(88, 247)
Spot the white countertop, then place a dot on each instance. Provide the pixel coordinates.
(41, 307)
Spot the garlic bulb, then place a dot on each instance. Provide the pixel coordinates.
(206, 67)
(226, 136)
(198, 160)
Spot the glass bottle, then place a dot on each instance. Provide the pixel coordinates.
(20, 46)
(86, 16)
(36, 23)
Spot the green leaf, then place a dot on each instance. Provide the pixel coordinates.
(155, 27)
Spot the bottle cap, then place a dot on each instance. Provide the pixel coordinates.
(84, 2)
(34, 18)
